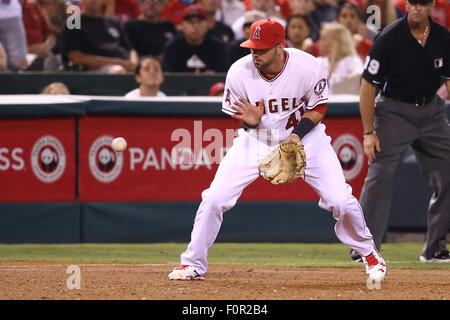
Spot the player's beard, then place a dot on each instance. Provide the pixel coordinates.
(261, 65)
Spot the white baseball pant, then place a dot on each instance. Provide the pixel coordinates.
(239, 168)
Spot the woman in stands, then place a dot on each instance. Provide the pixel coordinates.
(338, 54)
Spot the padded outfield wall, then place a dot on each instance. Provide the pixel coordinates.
(57, 186)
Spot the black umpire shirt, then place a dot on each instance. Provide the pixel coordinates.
(402, 68)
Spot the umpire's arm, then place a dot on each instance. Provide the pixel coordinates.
(367, 104)
(367, 109)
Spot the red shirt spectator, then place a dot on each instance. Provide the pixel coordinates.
(440, 12)
(173, 12)
(123, 9)
(315, 50)
(35, 26)
(285, 7)
(126, 9)
(363, 48)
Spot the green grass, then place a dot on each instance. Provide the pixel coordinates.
(398, 255)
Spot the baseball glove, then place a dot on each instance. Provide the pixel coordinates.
(284, 164)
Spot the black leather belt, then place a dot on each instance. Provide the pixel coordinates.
(418, 101)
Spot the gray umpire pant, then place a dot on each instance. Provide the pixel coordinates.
(426, 129)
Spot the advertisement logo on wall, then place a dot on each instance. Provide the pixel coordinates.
(48, 159)
(105, 164)
(175, 159)
(350, 155)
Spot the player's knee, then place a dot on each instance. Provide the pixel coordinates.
(333, 203)
(216, 202)
(339, 205)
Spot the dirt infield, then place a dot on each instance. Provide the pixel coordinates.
(34, 280)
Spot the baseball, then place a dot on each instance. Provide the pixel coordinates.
(119, 144)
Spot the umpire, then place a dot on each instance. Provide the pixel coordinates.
(408, 62)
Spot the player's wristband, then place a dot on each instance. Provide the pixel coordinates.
(369, 133)
(304, 126)
(249, 126)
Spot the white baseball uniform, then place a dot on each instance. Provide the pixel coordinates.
(300, 86)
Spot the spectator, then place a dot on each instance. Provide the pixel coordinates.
(149, 23)
(235, 51)
(40, 38)
(3, 59)
(149, 76)
(298, 33)
(230, 11)
(216, 28)
(12, 34)
(195, 50)
(338, 54)
(388, 13)
(217, 89)
(305, 8)
(440, 12)
(324, 11)
(350, 16)
(55, 15)
(267, 6)
(100, 45)
(56, 88)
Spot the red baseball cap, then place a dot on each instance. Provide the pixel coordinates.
(194, 11)
(264, 34)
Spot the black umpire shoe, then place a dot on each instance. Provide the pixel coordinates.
(355, 256)
(438, 256)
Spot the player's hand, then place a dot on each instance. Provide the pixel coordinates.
(371, 143)
(247, 112)
(293, 138)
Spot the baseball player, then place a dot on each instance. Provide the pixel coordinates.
(280, 95)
